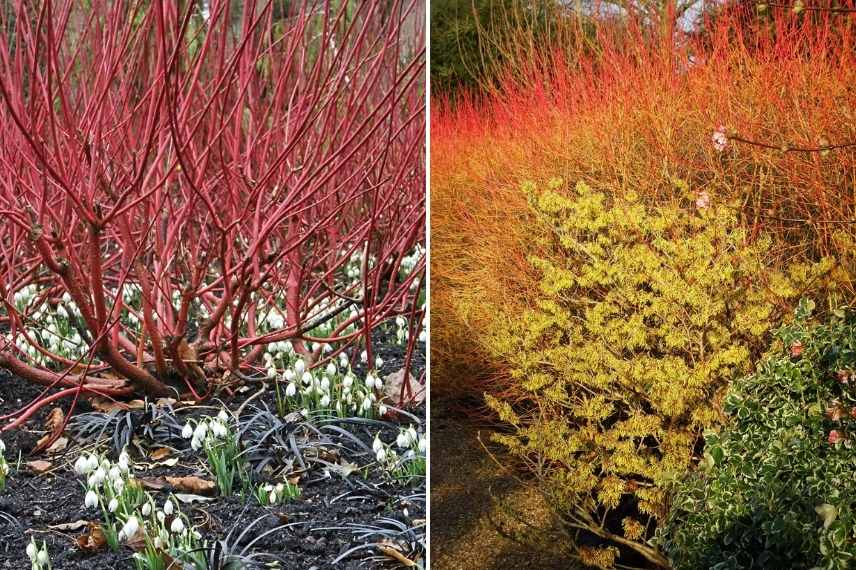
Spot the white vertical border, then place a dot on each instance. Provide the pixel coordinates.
(428, 280)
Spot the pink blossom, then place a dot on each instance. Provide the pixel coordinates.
(835, 437)
(702, 200)
(720, 139)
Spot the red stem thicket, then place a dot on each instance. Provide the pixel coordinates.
(223, 161)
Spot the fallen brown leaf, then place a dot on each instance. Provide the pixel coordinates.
(40, 466)
(192, 484)
(53, 425)
(76, 525)
(390, 550)
(392, 384)
(93, 539)
(160, 453)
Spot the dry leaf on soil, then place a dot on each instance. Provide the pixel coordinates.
(93, 539)
(389, 549)
(53, 425)
(190, 484)
(72, 526)
(39, 466)
(392, 384)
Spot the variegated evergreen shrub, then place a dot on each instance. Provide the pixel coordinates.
(777, 488)
(642, 317)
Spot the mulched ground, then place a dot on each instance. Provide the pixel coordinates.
(467, 487)
(32, 503)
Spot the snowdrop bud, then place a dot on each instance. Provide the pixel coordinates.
(339, 408)
(291, 390)
(42, 557)
(114, 504)
(124, 462)
(299, 367)
(147, 509)
(377, 444)
(289, 375)
(423, 445)
(161, 516)
(3, 446)
(348, 381)
(131, 527)
(378, 362)
(327, 349)
(325, 384)
(367, 404)
(168, 507)
(32, 551)
(364, 356)
(378, 383)
(187, 431)
(370, 381)
(381, 455)
(223, 416)
(177, 526)
(98, 477)
(411, 433)
(115, 473)
(325, 401)
(382, 410)
(331, 369)
(343, 360)
(273, 498)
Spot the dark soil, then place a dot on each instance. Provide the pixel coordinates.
(32, 503)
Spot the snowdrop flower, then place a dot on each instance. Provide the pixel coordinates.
(124, 462)
(289, 374)
(339, 408)
(378, 362)
(187, 431)
(325, 384)
(423, 445)
(377, 444)
(291, 390)
(327, 349)
(113, 505)
(370, 381)
(32, 550)
(412, 435)
(382, 409)
(81, 466)
(146, 509)
(400, 321)
(218, 429)
(177, 526)
(343, 360)
(168, 507)
(115, 473)
(720, 139)
(423, 336)
(367, 404)
(200, 431)
(131, 527)
(325, 401)
(381, 455)
(196, 443)
(299, 367)
(223, 416)
(161, 516)
(364, 356)
(402, 440)
(378, 383)
(119, 484)
(272, 498)
(98, 477)
(307, 378)
(348, 380)
(42, 557)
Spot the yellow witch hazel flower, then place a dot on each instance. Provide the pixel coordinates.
(642, 316)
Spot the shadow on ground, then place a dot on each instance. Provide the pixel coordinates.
(463, 477)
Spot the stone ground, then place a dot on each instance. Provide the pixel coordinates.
(463, 479)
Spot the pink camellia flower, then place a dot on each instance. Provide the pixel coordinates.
(720, 139)
(702, 200)
(835, 437)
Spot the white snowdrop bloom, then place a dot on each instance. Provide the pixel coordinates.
(223, 416)
(367, 404)
(339, 408)
(61, 312)
(364, 356)
(382, 409)
(168, 507)
(113, 505)
(327, 349)
(267, 358)
(196, 443)
(325, 384)
(370, 381)
(401, 321)
(331, 369)
(32, 551)
(377, 444)
(401, 440)
(158, 542)
(273, 498)
(200, 431)
(187, 431)
(378, 383)
(118, 485)
(372, 397)
(42, 557)
(98, 477)
(289, 374)
(115, 473)
(348, 380)
(218, 429)
(343, 360)
(378, 362)
(307, 378)
(146, 509)
(271, 371)
(131, 527)
(411, 433)
(325, 401)
(381, 455)
(423, 336)
(81, 466)
(423, 444)
(409, 454)
(305, 412)
(291, 390)
(90, 500)
(177, 526)
(92, 463)
(299, 367)
(161, 516)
